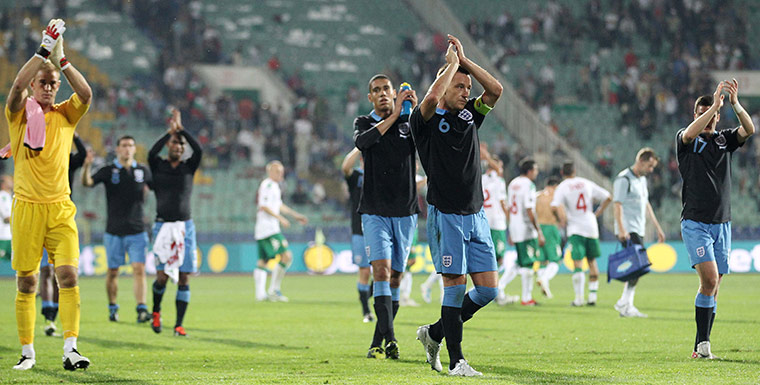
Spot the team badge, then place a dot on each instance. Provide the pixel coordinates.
(465, 115)
(700, 251)
(115, 179)
(139, 176)
(720, 140)
(446, 260)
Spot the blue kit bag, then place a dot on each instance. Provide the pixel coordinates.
(629, 263)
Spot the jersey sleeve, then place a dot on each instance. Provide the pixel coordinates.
(680, 147)
(479, 110)
(148, 176)
(619, 188)
(101, 176)
(598, 192)
(266, 194)
(365, 133)
(74, 109)
(417, 122)
(732, 139)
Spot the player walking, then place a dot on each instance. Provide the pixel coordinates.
(269, 238)
(126, 183)
(524, 231)
(551, 251)
(631, 207)
(704, 161)
(389, 202)
(173, 186)
(576, 197)
(445, 128)
(43, 213)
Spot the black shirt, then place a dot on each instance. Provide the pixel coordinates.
(449, 150)
(355, 181)
(389, 168)
(125, 195)
(76, 161)
(173, 185)
(705, 166)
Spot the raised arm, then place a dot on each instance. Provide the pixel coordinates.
(747, 128)
(195, 159)
(78, 83)
(439, 86)
(50, 37)
(699, 124)
(349, 161)
(492, 89)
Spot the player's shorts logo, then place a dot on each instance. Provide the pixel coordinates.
(357, 259)
(700, 251)
(366, 249)
(446, 260)
(465, 115)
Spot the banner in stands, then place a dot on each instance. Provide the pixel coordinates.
(336, 258)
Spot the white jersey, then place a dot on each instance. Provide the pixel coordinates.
(494, 192)
(270, 196)
(521, 196)
(5, 212)
(577, 195)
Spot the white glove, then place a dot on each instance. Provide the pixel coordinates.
(57, 57)
(50, 37)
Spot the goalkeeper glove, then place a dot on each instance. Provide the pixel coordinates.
(57, 57)
(50, 37)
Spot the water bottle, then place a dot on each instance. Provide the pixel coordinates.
(406, 110)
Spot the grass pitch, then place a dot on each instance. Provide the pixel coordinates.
(318, 338)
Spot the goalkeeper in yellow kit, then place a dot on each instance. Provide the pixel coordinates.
(42, 213)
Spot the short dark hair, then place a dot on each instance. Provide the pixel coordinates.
(125, 137)
(378, 76)
(526, 165)
(552, 181)
(568, 168)
(704, 100)
(460, 69)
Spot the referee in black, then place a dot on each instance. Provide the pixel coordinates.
(173, 185)
(126, 183)
(388, 203)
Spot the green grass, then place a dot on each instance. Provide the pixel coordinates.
(318, 338)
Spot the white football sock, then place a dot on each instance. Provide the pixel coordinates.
(405, 289)
(578, 282)
(526, 274)
(551, 271)
(69, 344)
(593, 287)
(507, 277)
(260, 281)
(541, 273)
(28, 350)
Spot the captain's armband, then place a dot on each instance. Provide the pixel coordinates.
(481, 107)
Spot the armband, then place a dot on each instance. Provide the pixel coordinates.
(481, 107)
